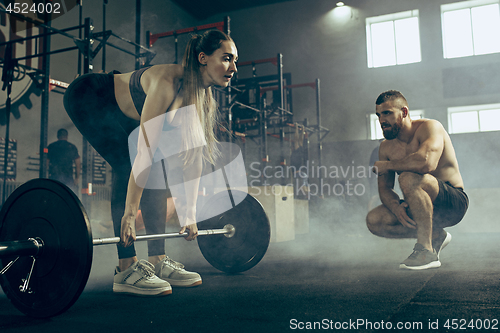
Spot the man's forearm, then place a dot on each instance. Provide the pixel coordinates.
(411, 163)
(389, 198)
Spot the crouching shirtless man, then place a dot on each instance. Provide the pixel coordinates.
(421, 153)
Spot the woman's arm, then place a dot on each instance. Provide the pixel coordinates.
(134, 193)
(191, 177)
(160, 94)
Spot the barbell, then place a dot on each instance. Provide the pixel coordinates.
(46, 243)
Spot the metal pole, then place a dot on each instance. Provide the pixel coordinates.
(80, 19)
(7, 131)
(137, 33)
(176, 42)
(265, 153)
(104, 3)
(86, 149)
(227, 30)
(281, 113)
(44, 121)
(261, 134)
(318, 115)
(306, 144)
(227, 25)
(7, 78)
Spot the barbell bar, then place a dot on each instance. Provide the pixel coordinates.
(228, 231)
(33, 246)
(46, 243)
(29, 247)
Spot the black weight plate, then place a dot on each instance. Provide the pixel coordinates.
(251, 238)
(48, 210)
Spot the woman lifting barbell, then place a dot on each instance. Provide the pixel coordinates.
(106, 108)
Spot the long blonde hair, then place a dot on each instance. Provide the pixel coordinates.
(193, 94)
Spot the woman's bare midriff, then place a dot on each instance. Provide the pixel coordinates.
(123, 97)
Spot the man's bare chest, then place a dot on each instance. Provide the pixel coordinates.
(399, 150)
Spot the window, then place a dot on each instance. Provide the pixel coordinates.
(376, 130)
(476, 118)
(393, 39)
(470, 28)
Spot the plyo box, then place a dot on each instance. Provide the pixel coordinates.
(278, 203)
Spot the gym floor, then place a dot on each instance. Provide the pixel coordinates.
(337, 276)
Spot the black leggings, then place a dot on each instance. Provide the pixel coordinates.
(90, 103)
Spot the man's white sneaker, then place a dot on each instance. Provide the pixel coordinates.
(140, 279)
(421, 258)
(440, 242)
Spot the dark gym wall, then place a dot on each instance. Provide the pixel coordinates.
(315, 43)
(163, 16)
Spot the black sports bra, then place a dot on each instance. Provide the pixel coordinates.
(138, 94)
(136, 91)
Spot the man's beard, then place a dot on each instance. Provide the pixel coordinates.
(393, 132)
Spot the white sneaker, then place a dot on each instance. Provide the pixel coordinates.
(174, 273)
(140, 279)
(440, 243)
(421, 258)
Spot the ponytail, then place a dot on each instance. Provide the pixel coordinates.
(190, 59)
(203, 99)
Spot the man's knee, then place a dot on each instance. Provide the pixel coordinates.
(379, 219)
(409, 181)
(373, 221)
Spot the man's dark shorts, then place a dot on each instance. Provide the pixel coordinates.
(450, 205)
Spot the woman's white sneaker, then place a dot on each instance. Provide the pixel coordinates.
(140, 279)
(174, 273)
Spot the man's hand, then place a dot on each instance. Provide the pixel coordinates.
(403, 217)
(381, 167)
(128, 230)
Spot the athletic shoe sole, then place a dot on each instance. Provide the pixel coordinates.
(183, 283)
(434, 264)
(132, 290)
